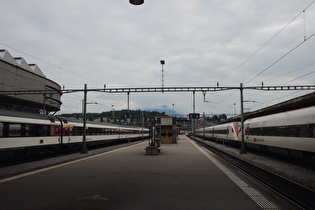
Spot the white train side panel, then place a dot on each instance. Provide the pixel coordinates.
(290, 130)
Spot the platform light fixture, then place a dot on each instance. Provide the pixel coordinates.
(162, 72)
(136, 2)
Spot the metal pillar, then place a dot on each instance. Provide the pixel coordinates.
(142, 122)
(194, 110)
(128, 102)
(204, 126)
(243, 151)
(84, 149)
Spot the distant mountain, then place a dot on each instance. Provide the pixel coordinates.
(169, 112)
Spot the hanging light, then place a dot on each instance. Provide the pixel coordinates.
(136, 2)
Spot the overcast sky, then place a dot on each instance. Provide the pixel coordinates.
(203, 42)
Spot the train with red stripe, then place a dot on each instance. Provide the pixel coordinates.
(290, 133)
(23, 134)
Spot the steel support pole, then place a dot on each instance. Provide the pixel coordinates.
(243, 151)
(194, 110)
(128, 101)
(84, 149)
(204, 126)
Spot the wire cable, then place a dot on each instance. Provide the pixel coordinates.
(281, 58)
(269, 40)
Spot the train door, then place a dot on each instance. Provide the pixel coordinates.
(227, 132)
(67, 133)
(54, 130)
(246, 133)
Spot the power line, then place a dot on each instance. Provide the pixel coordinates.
(252, 55)
(280, 58)
(305, 39)
(300, 77)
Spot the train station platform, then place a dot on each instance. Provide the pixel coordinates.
(182, 176)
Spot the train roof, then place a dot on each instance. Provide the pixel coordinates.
(10, 113)
(293, 117)
(13, 116)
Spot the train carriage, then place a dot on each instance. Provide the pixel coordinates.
(290, 131)
(22, 134)
(227, 131)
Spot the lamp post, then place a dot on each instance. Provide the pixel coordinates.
(113, 114)
(162, 63)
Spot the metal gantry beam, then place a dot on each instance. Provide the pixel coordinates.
(160, 89)
(30, 92)
(192, 89)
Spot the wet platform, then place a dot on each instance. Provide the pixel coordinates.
(182, 176)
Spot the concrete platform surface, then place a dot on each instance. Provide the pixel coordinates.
(182, 176)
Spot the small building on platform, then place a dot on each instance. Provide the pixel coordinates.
(168, 129)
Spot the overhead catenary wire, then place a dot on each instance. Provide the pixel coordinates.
(294, 48)
(279, 59)
(269, 40)
(300, 77)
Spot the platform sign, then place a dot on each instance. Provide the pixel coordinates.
(158, 128)
(128, 115)
(194, 116)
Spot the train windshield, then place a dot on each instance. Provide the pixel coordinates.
(239, 126)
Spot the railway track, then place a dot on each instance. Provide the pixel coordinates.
(296, 193)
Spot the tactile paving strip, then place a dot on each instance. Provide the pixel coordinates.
(256, 196)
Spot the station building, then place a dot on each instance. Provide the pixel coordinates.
(24, 87)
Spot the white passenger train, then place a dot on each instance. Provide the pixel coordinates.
(40, 133)
(289, 133)
(227, 131)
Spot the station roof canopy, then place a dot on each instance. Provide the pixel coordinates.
(6, 56)
(36, 69)
(23, 64)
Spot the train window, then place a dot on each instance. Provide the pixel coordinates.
(52, 130)
(283, 131)
(26, 130)
(37, 130)
(224, 131)
(254, 131)
(292, 131)
(68, 131)
(78, 131)
(270, 131)
(1, 129)
(14, 129)
(88, 131)
(303, 131)
(306, 131)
